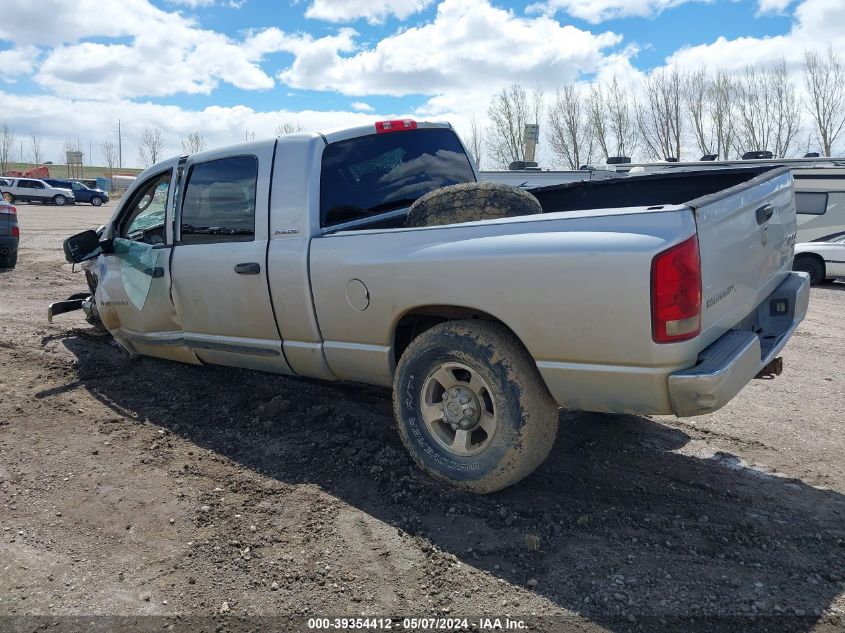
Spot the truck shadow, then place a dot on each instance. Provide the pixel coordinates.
(617, 526)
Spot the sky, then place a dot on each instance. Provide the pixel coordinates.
(236, 69)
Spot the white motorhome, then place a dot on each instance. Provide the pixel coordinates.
(820, 203)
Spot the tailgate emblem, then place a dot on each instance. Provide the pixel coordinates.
(719, 296)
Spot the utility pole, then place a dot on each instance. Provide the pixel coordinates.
(119, 147)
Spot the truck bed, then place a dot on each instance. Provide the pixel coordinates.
(642, 191)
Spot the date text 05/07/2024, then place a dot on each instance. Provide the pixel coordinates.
(416, 624)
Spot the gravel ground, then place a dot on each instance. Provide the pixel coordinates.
(138, 487)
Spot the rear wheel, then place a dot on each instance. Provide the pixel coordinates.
(8, 197)
(96, 201)
(59, 200)
(9, 261)
(811, 265)
(471, 406)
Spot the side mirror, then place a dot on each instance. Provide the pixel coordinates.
(82, 246)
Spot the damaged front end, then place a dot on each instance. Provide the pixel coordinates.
(81, 300)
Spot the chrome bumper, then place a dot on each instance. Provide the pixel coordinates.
(727, 365)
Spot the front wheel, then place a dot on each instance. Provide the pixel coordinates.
(96, 201)
(59, 200)
(472, 408)
(8, 197)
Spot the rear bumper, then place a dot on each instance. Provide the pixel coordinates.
(727, 365)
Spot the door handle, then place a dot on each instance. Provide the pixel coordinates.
(248, 268)
(764, 213)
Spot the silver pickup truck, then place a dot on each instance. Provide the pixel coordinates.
(663, 294)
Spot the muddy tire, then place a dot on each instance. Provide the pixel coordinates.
(469, 202)
(811, 265)
(471, 407)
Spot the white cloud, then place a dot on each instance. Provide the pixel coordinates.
(194, 4)
(817, 24)
(16, 63)
(158, 53)
(596, 11)
(360, 106)
(772, 6)
(55, 118)
(470, 44)
(374, 11)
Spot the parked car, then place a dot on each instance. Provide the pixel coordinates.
(81, 192)
(9, 235)
(34, 190)
(822, 259)
(370, 254)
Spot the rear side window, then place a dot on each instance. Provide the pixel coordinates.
(219, 201)
(374, 174)
(811, 203)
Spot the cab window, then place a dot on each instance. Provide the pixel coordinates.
(145, 213)
(371, 175)
(219, 201)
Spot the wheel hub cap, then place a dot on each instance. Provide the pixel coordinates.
(460, 408)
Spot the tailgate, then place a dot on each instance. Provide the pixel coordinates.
(746, 236)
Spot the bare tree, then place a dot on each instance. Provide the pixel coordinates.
(786, 120)
(824, 76)
(288, 127)
(476, 143)
(194, 142)
(768, 114)
(610, 114)
(722, 96)
(709, 107)
(7, 143)
(509, 112)
(660, 117)
(697, 101)
(621, 123)
(151, 146)
(110, 156)
(35, 147)
(597, 119)
(570, 134)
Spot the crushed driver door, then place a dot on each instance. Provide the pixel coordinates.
(133, 290)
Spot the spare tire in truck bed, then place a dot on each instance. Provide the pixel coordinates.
(471, 201)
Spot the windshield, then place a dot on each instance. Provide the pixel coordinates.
(374, 174)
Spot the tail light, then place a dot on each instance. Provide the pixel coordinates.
(395, 126)
(16, 232)
(9, 210)
(676, 293)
